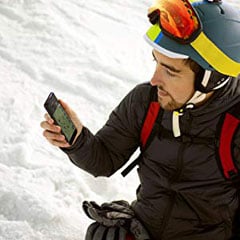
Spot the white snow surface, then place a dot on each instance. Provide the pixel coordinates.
(91, 53)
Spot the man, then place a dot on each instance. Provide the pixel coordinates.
(183, 194)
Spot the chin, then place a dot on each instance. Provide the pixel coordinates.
(169, 105)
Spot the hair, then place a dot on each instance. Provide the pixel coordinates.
(195, 67)
(198, 70)
(214, 80)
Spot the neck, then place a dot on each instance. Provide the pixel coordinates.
(198, 98)
(207, 97)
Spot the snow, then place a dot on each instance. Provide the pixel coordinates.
(91, 54)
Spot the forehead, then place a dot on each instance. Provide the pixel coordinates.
(178, 63)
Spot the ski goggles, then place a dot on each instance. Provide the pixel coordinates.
(178, 20)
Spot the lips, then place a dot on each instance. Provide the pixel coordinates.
(162, 93)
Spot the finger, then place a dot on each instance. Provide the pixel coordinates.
(115, 207)
(69, 111)
(100, 232)
(122, 234)
(91, 230)
(85, 207)
(122, 203)
(56, 139)
(94, 205)
(50, 127)
(73, 116)
(61, 144)
(66, 107)
(112, 233)
(116, 215)
(93, 213)
(53, 136)
(48, 118)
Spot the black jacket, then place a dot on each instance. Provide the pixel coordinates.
(183, 194)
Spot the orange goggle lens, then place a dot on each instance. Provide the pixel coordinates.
(177, 19)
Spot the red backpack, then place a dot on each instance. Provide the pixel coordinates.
(227, 127)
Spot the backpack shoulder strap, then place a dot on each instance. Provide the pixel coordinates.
(230, 124)
(147, 128)
(152, 115)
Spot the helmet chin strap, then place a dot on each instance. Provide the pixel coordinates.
(197, 97)
(200, 96)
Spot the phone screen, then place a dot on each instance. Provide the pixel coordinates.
(64, 122)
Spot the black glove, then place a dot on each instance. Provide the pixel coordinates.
(113, 218)
(97, 231)
(109, 214)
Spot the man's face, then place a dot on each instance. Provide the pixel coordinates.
(175, 81)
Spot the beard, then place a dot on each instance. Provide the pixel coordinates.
(168, 102)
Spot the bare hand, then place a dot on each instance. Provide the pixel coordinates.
(52, 132)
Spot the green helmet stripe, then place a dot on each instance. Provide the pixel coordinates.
(153, 32)
(206, 49)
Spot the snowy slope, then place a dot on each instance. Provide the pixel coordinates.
(90, 53)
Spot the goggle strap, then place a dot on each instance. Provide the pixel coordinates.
(154, 17)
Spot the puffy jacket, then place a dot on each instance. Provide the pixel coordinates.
(183, 194)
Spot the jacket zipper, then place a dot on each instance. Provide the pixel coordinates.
(179, 167)
(169, 208)
(179, 164)
(167, 213)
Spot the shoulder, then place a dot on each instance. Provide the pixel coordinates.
(223, 100)
(134, 105)
(230, 95)
(142, 93)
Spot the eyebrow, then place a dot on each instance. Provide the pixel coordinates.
(173, 69)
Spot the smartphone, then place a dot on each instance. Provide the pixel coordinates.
(60, 117)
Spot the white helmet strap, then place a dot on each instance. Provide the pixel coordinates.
(199, 96)
(210, 80)
(206, 78)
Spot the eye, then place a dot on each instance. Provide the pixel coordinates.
(169, 73)
(154, 59)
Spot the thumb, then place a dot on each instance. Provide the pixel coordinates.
(66, 107)
(70, 113)
(73, 117)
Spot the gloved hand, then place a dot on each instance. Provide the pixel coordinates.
(109, 214)
(97, 231)
(114, 219)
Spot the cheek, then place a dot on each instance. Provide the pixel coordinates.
(182, 92)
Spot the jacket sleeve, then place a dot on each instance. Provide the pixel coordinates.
(105, 152)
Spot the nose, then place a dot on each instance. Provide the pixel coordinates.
(157, 78)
